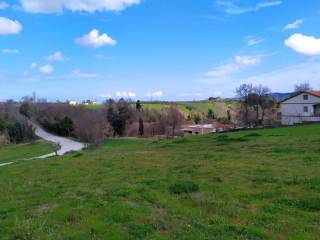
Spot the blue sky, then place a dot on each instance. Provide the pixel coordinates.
(159, 49)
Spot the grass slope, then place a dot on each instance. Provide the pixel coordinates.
(219, 108)
(247, 185)
(23, 151)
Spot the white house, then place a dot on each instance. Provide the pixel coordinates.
(72, 102)
(301, 108)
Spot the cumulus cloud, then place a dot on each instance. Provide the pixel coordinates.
(231, 8)
(239, 63)
(105, 95)
(124, 94)
(294, 25)
(10, 51)
(57, 56)
(46, 69)
(8, 26)
(307, 45)
(3, 5)
(284, 79)
(155, 94)
(95, 40)
(33, 65)
(57, 6)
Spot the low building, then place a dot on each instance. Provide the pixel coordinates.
(206, 128)
(72, 102)
(303, 107)
(89, 102)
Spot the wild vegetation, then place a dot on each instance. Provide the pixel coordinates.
(246, 185)
(14, 128)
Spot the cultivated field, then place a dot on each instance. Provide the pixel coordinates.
(246, 185)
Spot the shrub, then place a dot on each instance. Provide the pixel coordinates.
(183, 188)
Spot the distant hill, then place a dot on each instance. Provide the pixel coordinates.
(280, 96)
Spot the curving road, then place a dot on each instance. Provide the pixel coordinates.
(66, 145)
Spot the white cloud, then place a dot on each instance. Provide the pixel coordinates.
(231, 8)
(46, 69)
(307, 45)
(3, 5)
(8, 26)
(79, 74)
(284, 79)
(33, 65)
(57, 56)
(95, 40)
(251, 41)
(294, 25)
(105, 95)
(239, 63)
(279, 80)
(10, 51)
(57, 6)
(155, 94)
(124, 94)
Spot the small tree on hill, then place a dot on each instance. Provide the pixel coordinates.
(197, 119)
(138, 106)
(117, 116)
(244, 92)
(25, 109)
(210, 114)
(141, 127)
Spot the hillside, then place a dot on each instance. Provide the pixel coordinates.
(219, 107)
(246, 185)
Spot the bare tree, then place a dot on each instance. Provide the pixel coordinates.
(243, 92)
(261, 93)
(174, 118)
(302, 87)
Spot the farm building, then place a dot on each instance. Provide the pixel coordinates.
(72, 102)
(300, 108)
(206, 128)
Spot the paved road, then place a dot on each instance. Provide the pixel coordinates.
(66, 145)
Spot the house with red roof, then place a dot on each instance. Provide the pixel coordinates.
(303, 107)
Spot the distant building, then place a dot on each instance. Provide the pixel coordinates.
(206, 128)
(303, 107)
(72, 102)
(89, 102)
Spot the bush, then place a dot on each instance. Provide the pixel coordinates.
(63, 127)
(14, 127)
(183, 188)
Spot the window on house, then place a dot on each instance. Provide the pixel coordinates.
(305, 97)
(306, 109)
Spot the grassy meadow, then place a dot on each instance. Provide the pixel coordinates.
(219, 107)
(25, 151)
(247, 185)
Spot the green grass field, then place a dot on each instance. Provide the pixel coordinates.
(247, 185)
(94, 106)
(25, 151)
(219, 107)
